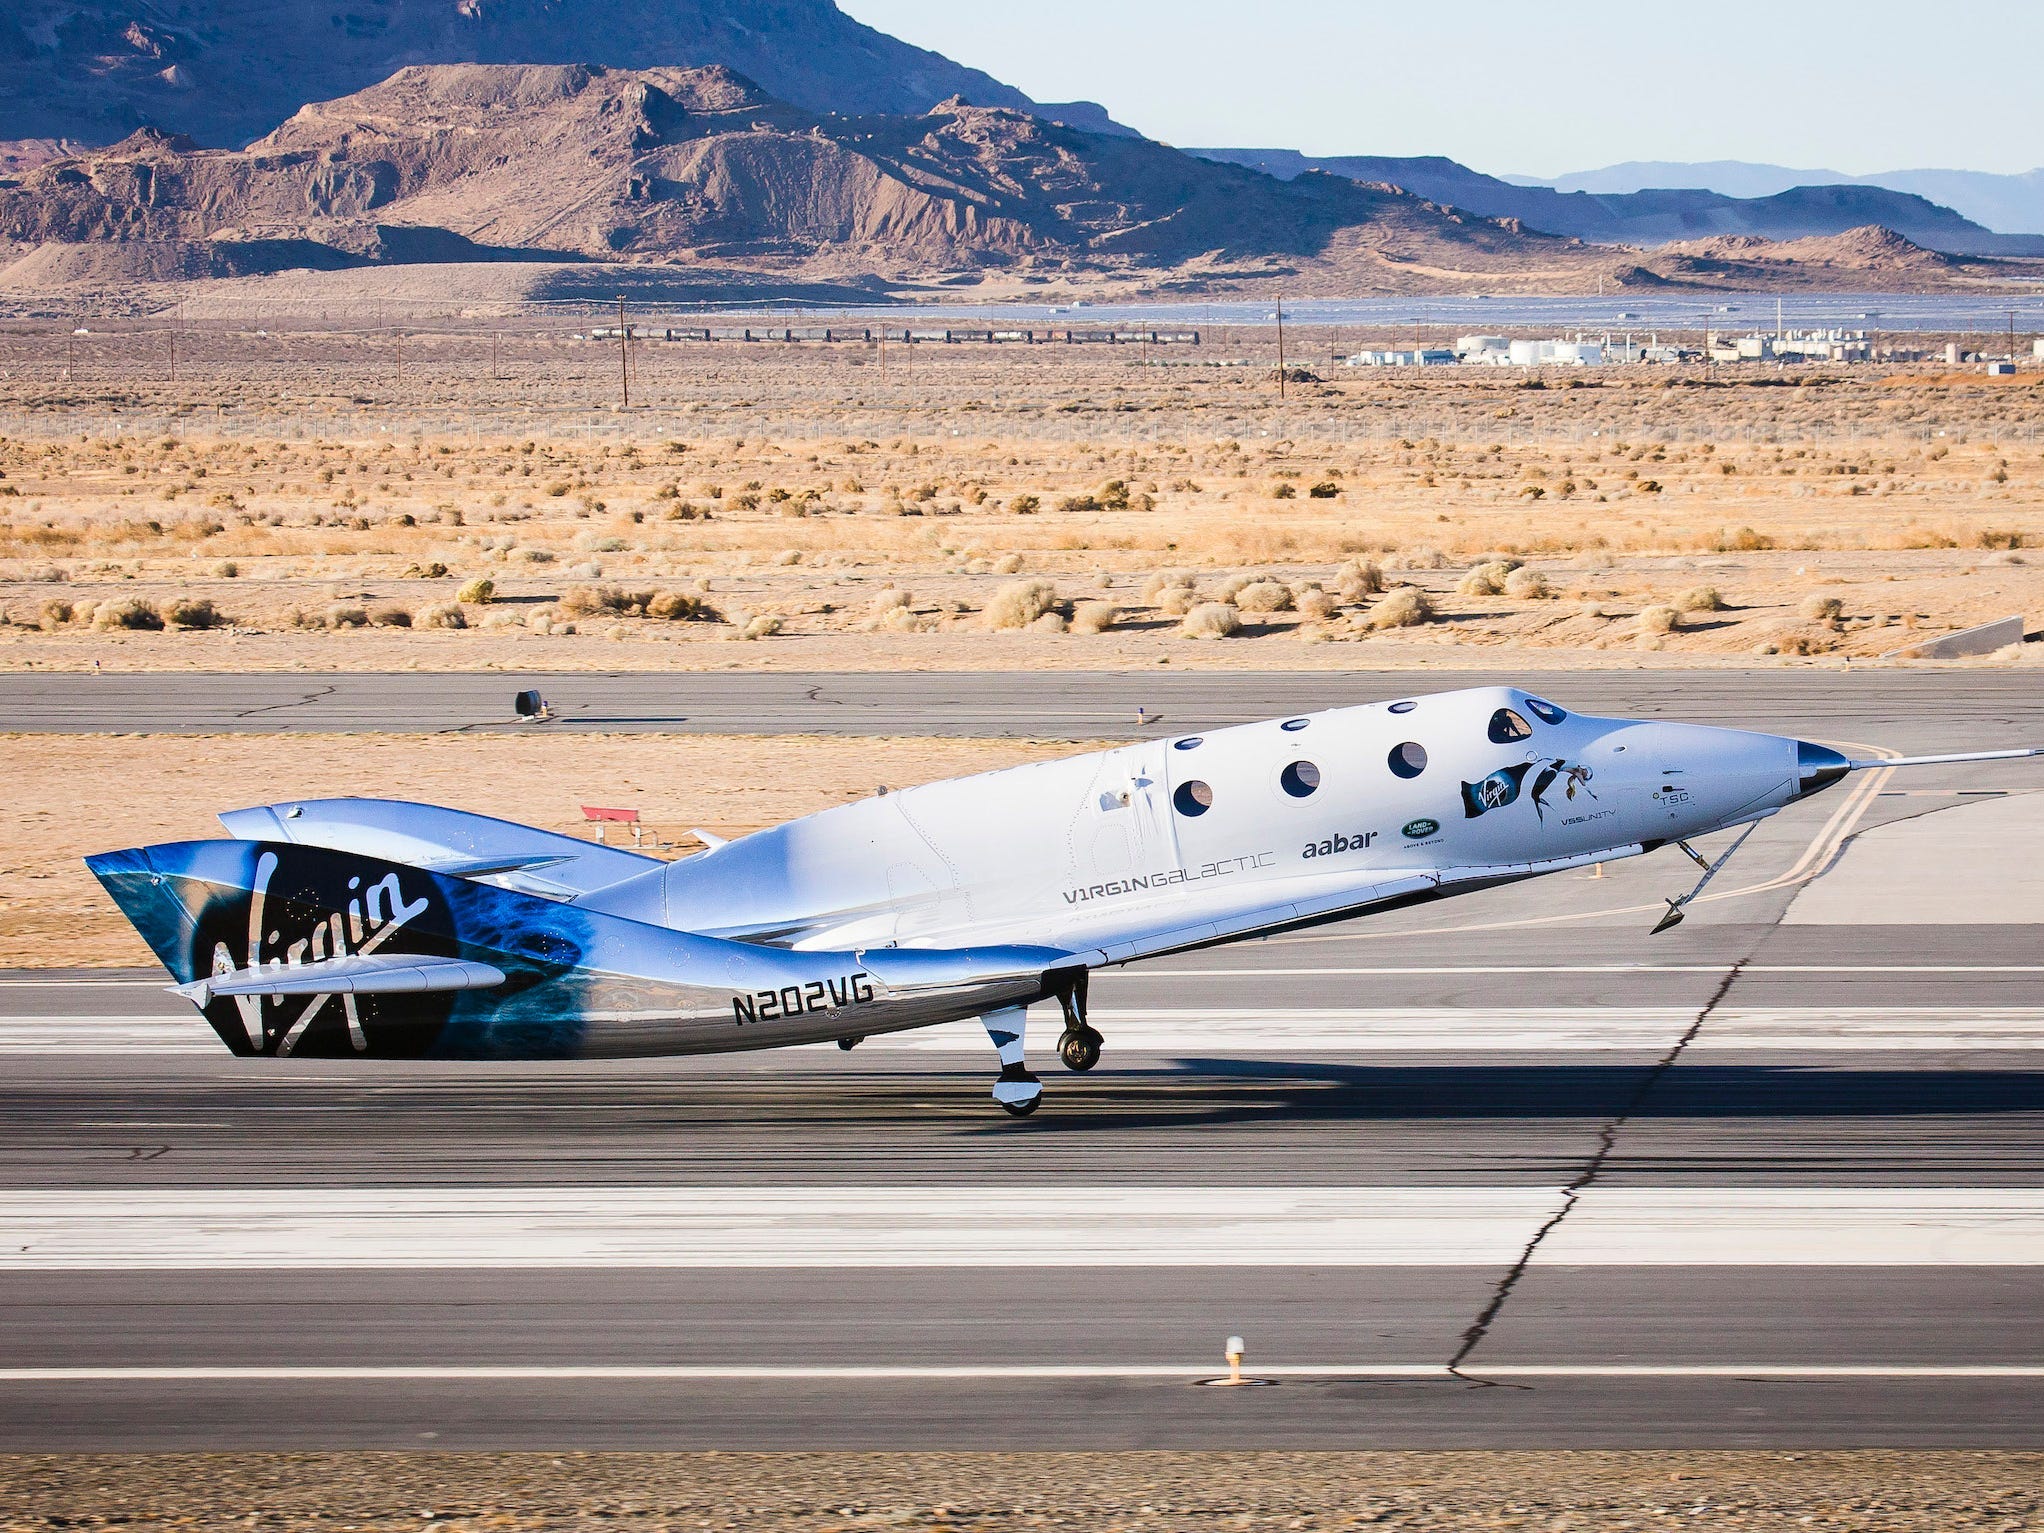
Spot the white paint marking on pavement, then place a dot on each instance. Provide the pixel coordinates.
(259, 1373)
(1052, 1226)
(1207, 1030)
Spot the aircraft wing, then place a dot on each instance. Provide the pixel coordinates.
(356, 974)
(1121, 934)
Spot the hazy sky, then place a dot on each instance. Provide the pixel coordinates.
(1536, 87)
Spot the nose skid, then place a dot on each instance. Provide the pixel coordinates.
(1817, 768)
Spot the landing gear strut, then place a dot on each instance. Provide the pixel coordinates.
(1016, 1090)
(1079, 1045)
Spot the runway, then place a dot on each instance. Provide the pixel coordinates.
(1911, 706)
(1499, 1171)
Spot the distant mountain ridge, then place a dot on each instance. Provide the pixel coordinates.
(1655, 217)
(465, 162)
(227, 71)
(2006, 204)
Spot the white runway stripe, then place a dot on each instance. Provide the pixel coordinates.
(936, 1373)
(1287, 1031)
(829, 1227)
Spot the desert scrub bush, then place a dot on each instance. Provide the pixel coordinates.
(195, 612)
(1020, 604)
(1264, 596)
(1700, 599)
(1316, 606)
(130, 612)
(434, 571)
(1176, 601)
(1740, 540)
(1025, 505)
(1358, 578)
(54, 614)
(1819, 608)
(681, 607)
(1008, 564)
(762, 625)
(347, 617)
(1163, 581)
(1487, 579)
(1095, 616)
(1659, 619)
(1999, 537)
(477, 592)
(391, 617)
(889, 598)
(1425, 557)
(439, 616)
(1527, 585)
(1050, 622)
(1326, 489)
(1212, 620)
(227, 569)
(590, 601)
(1405, 607)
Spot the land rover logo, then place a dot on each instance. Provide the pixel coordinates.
(1419, 830)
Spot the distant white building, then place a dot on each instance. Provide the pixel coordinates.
(1557, 353)
(1429, 356)
(1483, 348)
(2037, 348)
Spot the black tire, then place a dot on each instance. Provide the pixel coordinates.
(1022, 1109)
(1079, 1048)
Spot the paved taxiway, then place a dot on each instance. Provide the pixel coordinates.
(1761, 1180)
(1906, 706)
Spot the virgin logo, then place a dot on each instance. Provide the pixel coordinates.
(372, 917)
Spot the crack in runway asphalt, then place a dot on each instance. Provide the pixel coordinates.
(297, 702)
(1607, 1144)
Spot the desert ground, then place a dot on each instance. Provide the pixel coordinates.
(1866, 1492)
(441, 493)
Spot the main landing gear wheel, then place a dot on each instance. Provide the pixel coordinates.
(1017, 1091)
(1079, 1047)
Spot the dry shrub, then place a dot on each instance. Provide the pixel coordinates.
(1740, 540)
(1050, 622)
(1422, 558)
(1176, 601)
(1700, 599)
(1164, 581)
(1656, 620)
(1213, 620)
(680, 607)
(1359, 578)
(763, 625)
(1488, 578)
(1263, 596)
(54, 614)
(1020, 604)
(1316, 606)
(477, 592)
(888, 599)
(1999, 537)
(391, 617)
(1008, 564)
(591, 601)
(347, 617)
(1406, 607)
(439, 616)
(227, 569)
(1095, 616)
(129, 613)
(1819, 608)
(1527, 585)
(195, 612)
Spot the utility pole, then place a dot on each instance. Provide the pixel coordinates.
(496, 355)
(1281, 344)
(624, 355)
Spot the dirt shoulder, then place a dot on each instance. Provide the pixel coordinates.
(1855, 1492)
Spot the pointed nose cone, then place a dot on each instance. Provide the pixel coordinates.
(1817, 768)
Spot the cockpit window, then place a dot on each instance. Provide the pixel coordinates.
(1547, 713)
(1506, 725)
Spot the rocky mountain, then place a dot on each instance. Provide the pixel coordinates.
(466, 162)
(2007, 204)
(1656, 217)
(225, 71)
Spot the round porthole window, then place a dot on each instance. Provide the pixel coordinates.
(1189, 743)
(1301, 779)
(1403, 707)
(1293, 726)
(1193, 799)
(1408, 760)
